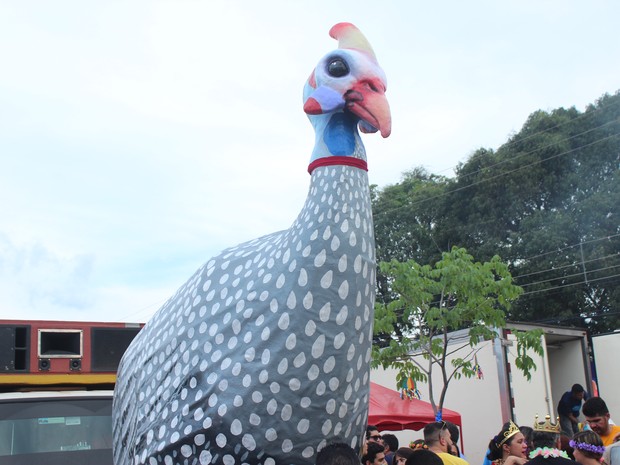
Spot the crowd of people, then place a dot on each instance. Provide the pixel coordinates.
(561, 442)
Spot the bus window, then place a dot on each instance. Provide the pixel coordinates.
(64, 431)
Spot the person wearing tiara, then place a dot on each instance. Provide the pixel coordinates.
(587, 447)
(508, 447)
(546, 447)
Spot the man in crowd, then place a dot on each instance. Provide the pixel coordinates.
(438, 440)
(424, 457)
(337, 454)
(373, 435)
(597, 416)
(455, 435)
(568, 409)
(546, 447)
(374, 454)
(391, 446)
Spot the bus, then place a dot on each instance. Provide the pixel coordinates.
(56, 388)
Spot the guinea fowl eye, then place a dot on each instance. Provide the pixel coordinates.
(337, 67)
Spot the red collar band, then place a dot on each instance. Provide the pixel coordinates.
(336, 160)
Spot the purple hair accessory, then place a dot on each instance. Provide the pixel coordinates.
(587, 447)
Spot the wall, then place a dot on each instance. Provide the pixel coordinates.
(530, 397)
(606, 348)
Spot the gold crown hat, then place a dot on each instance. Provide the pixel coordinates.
(546, 426)
(513, 429)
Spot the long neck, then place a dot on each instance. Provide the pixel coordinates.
(339, 198)
(337, 135)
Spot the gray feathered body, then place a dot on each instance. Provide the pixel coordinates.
(262, 357)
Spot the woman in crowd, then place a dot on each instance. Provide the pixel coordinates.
(508, 447)
(401, 455)
(587, 448)
(528, 434)
(418, 444)
(424, 457)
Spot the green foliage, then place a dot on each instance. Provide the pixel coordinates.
(429, 302)
(528, 341)
(547, 201)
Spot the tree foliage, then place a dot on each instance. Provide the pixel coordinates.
(429, 302)
(547, 201)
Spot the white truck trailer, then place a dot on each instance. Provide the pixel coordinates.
(504, 393)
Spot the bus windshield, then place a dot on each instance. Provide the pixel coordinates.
(50, 431)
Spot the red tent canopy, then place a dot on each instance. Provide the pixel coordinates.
(388, 411)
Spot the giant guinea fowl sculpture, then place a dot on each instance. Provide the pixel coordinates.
(262, 356)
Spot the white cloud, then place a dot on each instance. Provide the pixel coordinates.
(33, 277)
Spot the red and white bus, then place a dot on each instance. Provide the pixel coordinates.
(56, 385)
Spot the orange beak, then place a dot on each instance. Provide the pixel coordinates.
(366, 100)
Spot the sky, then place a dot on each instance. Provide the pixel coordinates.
(138, 139)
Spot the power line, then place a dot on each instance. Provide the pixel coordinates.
(558, 268)
(587, 113)
(494, 220)
(553, 290)
(553, 144)
(564, 286)
(571, 246)
(569, 285)
(132, 315)
(377, 218)
(523, 167)
(570, 276)
(612, 280)
(568, 265)
(579, 317)
(504, 173)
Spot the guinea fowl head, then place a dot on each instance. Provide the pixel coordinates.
(348, 85)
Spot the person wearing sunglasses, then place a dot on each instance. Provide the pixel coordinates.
(373, 435)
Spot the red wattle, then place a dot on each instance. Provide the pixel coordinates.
(312, 107)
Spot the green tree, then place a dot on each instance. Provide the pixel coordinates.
(547, 201)
(562, 199)
(409, 218)
(429, 302)
(409, 215)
